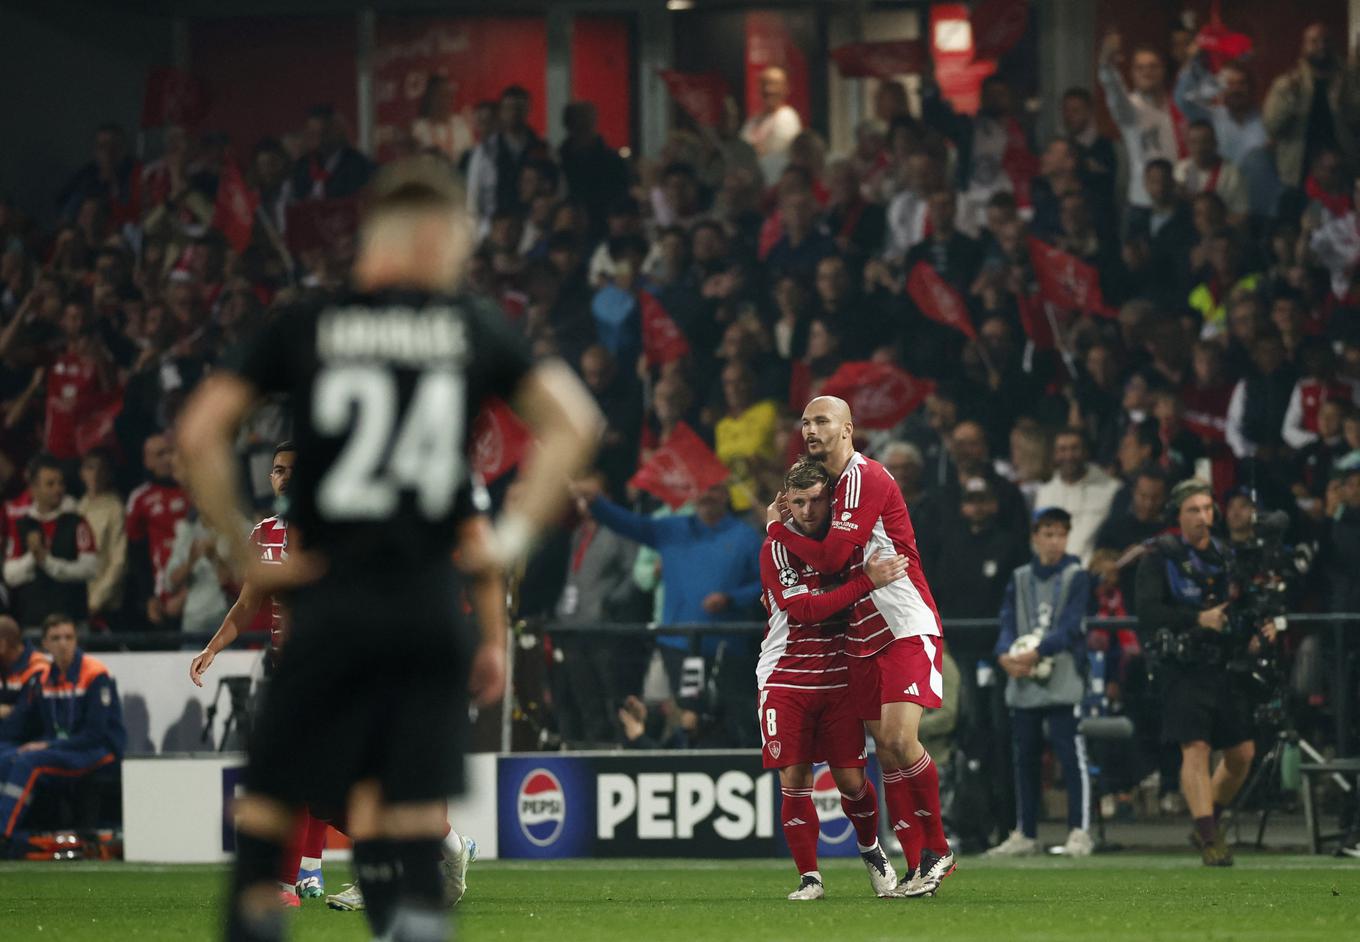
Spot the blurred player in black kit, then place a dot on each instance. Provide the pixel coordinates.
(384, 383)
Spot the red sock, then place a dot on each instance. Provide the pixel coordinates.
(905, 824)
(314, 837)
(799, 815)
(923, 781)
(862, 810)
(292, 852)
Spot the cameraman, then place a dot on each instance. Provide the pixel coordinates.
(1182, 593)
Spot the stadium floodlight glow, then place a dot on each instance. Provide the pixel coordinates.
(676, 6)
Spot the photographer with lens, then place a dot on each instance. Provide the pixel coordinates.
(1183, 594)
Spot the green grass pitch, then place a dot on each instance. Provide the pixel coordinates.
(1166, 897)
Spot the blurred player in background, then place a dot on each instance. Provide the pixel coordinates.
(806, 712)
(893, 641)
(384, 384)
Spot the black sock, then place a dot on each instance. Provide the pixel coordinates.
(420, 915)
(257, 865)
(1218, 812)
(379, 874)
(1204, 827)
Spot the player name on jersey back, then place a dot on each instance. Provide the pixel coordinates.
(400, 334)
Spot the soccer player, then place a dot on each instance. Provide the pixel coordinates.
(893, 642)
(384, 383)
(806, 713)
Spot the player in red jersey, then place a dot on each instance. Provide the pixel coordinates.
(806, 712)
(300, 874)
(301, 870)
(894, 638)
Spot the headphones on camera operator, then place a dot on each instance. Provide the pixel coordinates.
(1193, 583)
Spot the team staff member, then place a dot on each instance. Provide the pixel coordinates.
(69, 725)
(806, 712)
(1182, 589)
(21, 664)
(384, 384)
(893, 641)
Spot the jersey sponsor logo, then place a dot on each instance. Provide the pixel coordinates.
(835, 827)
(788, 577)
(912, 690)
(542, 806)
(796, 590)
(844, 525)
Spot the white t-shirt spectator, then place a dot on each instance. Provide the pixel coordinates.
(1147, 127)
(1087, 499)
(771, 133)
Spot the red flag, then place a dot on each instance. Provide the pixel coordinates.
(681, 469)
(94, 428)
(499, 441)
(881, 59)
(321, 224)
(938, 300)
(662, 340)
(235, 210)
(880, 395)
(997, 26)
(173, 96)
(1065, 281)
(1220, 44)
(699, 94)
(1034, 319)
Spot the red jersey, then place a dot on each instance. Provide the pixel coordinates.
(153, 509)
(71, 389)
(804, 643)
(868, 514)
(271, 536)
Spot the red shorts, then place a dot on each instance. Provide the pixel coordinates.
(800, 727)
(906, 671)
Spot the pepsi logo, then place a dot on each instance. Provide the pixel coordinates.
(542, 807)
(836, 828)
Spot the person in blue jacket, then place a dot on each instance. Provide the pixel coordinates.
(710, 566)
(1045, 609)
(69, 724)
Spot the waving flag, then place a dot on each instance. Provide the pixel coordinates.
(938, 300)
(880, 395)
(681, 469)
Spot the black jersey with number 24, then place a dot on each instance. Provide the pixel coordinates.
(384, 388)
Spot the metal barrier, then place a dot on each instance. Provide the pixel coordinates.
(1344, 626)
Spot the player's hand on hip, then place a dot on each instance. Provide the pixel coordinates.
(882, 569)
(486, 681)
(199, 666)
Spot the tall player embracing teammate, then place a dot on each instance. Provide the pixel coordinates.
(893, 642)
(806, 712)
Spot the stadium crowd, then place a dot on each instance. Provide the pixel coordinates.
(1223, 221)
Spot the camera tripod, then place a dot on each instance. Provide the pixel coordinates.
(238, 720)
(1266, 779)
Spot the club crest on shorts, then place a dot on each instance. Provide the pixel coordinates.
(788, 577)
(542, 806)
(775, 748)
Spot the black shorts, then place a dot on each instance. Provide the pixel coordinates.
(371, 684)
(1209, 705)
